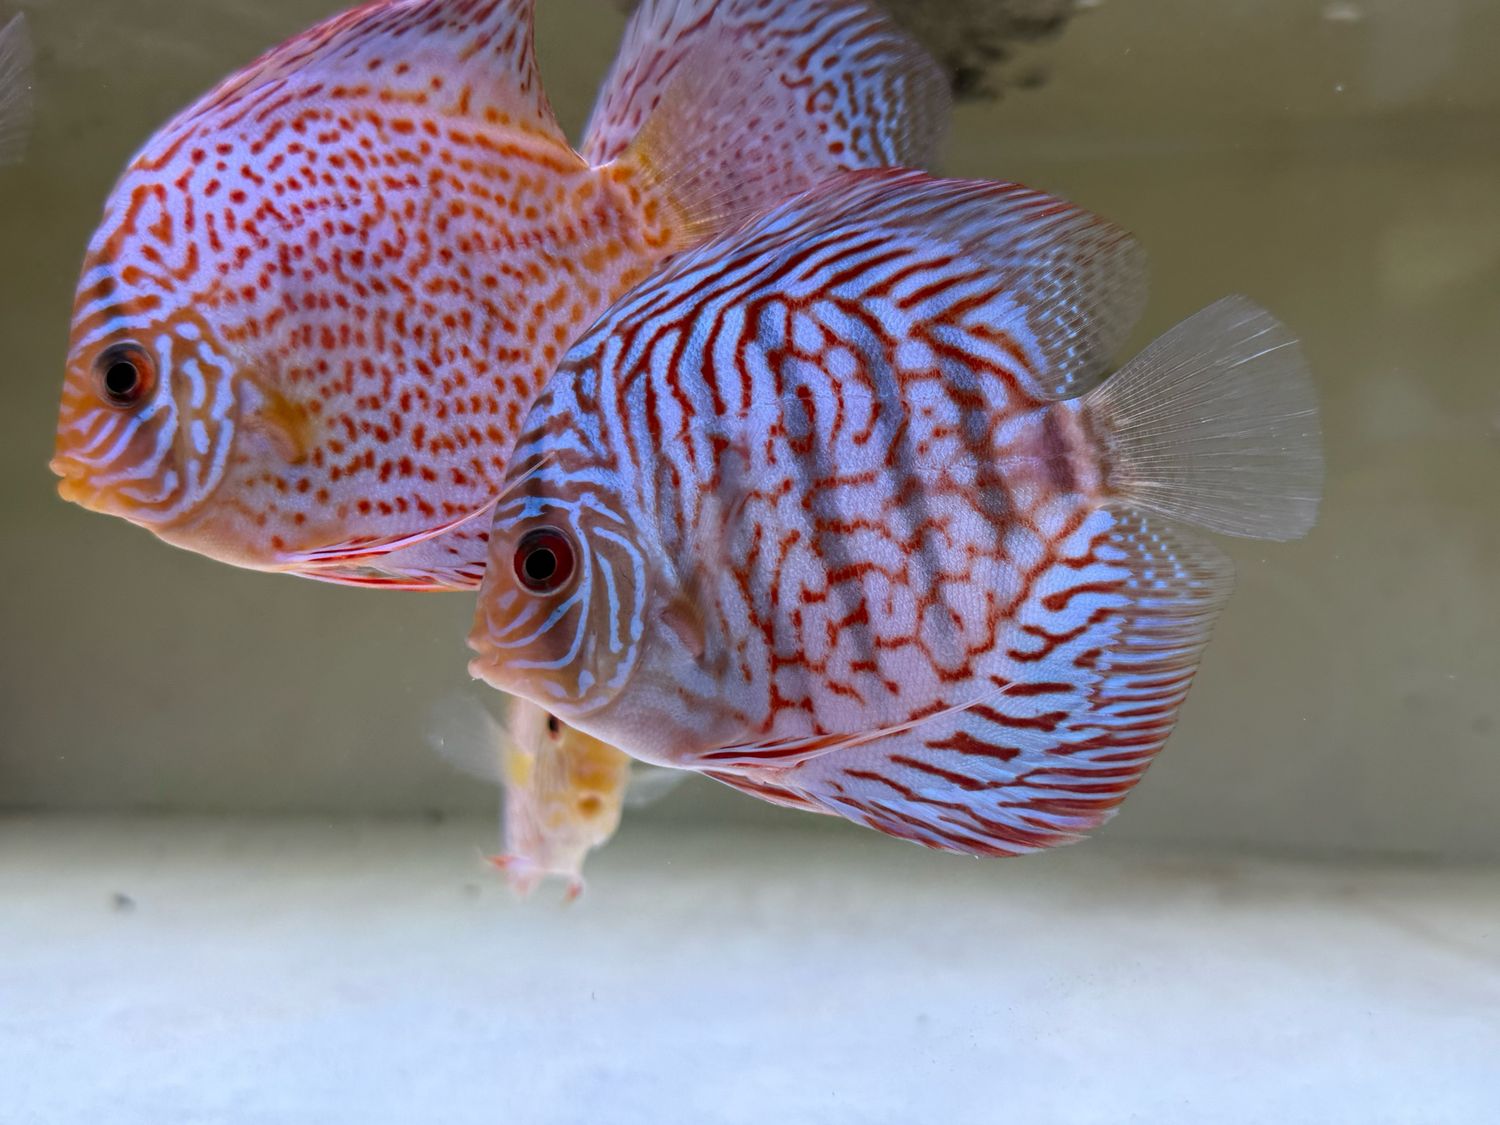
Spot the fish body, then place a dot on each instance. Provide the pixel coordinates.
(322, 299)
(842, 510)
(563, 791)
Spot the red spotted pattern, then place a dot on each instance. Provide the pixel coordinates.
(845, 453)
(359, 260)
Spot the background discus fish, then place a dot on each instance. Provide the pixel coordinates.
(322, 298)
(564, 791)
(15, 89)
(841, 511)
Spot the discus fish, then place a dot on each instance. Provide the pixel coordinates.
(323, 297)
(564, 792)
(15, 89)
(840, 510)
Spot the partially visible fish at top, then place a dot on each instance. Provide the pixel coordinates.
(564, 791)
(841, 510)
(16, 104)
(323, 297)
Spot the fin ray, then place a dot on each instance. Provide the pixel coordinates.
(1216, 424)
(16, 104)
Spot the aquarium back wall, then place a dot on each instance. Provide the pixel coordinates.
(1340, 163)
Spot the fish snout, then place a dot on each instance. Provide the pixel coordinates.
(73, 484)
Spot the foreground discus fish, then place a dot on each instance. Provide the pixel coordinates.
(15, 89)
(838, 510)
(323, 298)
(564, 791)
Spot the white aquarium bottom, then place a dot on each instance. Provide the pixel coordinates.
(194, 971)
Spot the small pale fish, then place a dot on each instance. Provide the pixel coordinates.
(322, 298)
(15, 89)
(842, 511)
(564, 791)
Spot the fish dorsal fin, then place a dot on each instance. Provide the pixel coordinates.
(988, 266)
(467, 58)
(734, 109)
(15, 89)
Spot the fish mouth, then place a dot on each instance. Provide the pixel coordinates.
(489, 665)
(74, 486)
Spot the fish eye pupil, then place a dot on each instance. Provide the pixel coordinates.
(553, 726)
(541, 564)
(122, 379)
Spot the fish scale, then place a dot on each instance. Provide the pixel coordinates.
(860, 526)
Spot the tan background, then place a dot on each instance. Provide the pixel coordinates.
(1344, 171)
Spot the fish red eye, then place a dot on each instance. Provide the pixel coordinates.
(125, 373)
(544, 560)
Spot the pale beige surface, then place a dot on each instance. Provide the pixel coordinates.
(284, 973)
(1344, 172)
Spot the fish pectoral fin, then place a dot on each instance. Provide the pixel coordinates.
(459, 57)
(469, 737)
(287, 425)
(649, 784)
(682, 617)
(731, 121)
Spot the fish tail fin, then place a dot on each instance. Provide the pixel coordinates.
(728, 109)
(1216, 424)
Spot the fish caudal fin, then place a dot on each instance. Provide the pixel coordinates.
(1216, 424)
(1102, 664)
(732, 108)
(15, 89)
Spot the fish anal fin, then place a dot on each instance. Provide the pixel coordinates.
(766, 789)
(467, 58)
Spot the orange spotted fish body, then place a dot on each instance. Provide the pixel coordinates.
(323, 298)
(841, 510)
